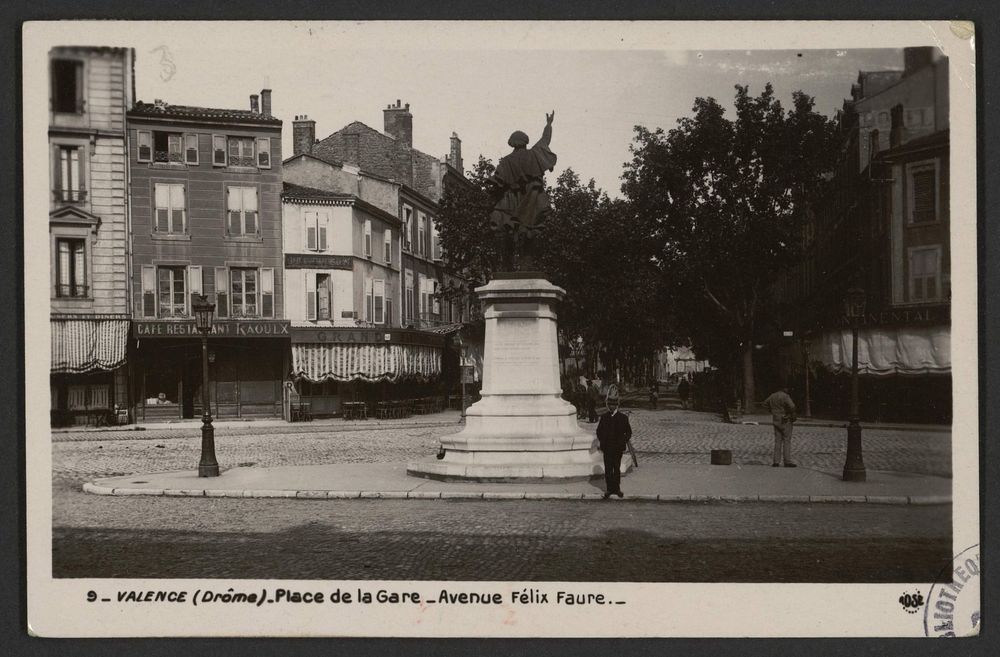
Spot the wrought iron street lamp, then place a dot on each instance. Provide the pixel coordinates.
(203, 311)
(854, 467)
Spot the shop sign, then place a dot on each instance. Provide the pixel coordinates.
(318, 261)
(468, 374)
(220, 329)
(930, 315)
(324, 335)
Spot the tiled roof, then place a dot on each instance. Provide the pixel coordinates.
(290, 190)
(166, 110)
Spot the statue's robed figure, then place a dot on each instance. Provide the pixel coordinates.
(521, 203)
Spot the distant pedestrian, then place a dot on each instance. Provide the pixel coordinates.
(683, 391)
(613, 434)
(782, 417)
(593, 393)
(653, 397)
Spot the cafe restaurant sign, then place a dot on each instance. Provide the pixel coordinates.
(318, 261)
(260, 328)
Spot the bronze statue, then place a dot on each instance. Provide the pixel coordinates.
(520, 201)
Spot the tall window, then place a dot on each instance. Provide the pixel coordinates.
(368, 238)
(407, 228)
(423, 296)
(67, 86)
(241, 205)
(71, 268)
(319, 299)
(243, 292)
(923, 194)
(408, 300)
(421, 235)
(69, 181)
(387, 245)
(171, 291)
(315, 231)
(170, 210)
(241, 153)
(218, 150)
(925, 273)
(191, 148)
(378, 300)
(264, 152)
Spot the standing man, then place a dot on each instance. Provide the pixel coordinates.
(782, 417)
(683, 391)
(613, 433)
(593, 392)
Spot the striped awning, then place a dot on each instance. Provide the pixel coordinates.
(87, 345)
(365, 362)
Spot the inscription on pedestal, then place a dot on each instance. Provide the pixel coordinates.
(516, 354)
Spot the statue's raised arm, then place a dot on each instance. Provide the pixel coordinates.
(547, 131)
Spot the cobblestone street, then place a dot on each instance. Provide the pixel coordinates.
(526, 540)
(667, 436)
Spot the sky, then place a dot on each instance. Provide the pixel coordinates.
(483, 95)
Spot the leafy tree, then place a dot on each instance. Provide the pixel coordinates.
(726, 200)
(464, 225)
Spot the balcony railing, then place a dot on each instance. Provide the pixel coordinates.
(166, 156)
(245, 313)
(72, 291)
(167, 312)
(242, 161)
(69, 195)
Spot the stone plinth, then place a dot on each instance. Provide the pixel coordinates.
(521, 429)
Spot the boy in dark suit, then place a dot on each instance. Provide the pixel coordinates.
(613, 432)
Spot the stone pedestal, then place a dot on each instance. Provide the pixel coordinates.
(521, 429)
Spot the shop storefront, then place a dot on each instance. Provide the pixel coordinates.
(247, 363)
(334, 365)
(88, 375)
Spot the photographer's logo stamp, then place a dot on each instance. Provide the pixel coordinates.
(911, 602)
(953, 601)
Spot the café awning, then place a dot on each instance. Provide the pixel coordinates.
(365, 362)
(88, 345)
(885, 351)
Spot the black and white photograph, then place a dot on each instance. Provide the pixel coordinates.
(500, 329)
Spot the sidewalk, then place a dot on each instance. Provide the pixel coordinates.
(442, 418)
(650, 482)
(765, 418)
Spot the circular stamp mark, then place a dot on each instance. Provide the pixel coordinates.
(953, 601)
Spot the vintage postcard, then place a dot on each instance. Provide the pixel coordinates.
(501, 329)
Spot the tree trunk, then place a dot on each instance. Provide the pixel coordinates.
(749, 396)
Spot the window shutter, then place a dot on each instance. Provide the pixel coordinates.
(311, 237)
(310, 278)
(368, 238)
(322, 236)
(267, 292)
(387, 238)
(177, 207)
(250, 210)
(264, 152)
(234, 203)
(145, 151)
(194, 278)
(191, 149)
(388, 311)
(924, 197)
(221, 292)
(218, 150)
(148, 291)
(378, 299)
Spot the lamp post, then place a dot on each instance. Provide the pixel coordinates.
(203, 311)
(854, 467)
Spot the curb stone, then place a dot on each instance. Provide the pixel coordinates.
(924, 500)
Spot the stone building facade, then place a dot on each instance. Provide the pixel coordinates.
(90, 91)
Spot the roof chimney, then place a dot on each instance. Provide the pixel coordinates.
(399, 123)
(253, 104)
(265, 102)
(455, 155)
(917, 58)
(303, 135)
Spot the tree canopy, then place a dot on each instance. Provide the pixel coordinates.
(726, 200)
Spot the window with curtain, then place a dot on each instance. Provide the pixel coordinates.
(243, 292)
(71, 268)
(170, 209)
(241, 152)
(241, 206)
(171, 291)
(925, 273)
(69, 178)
